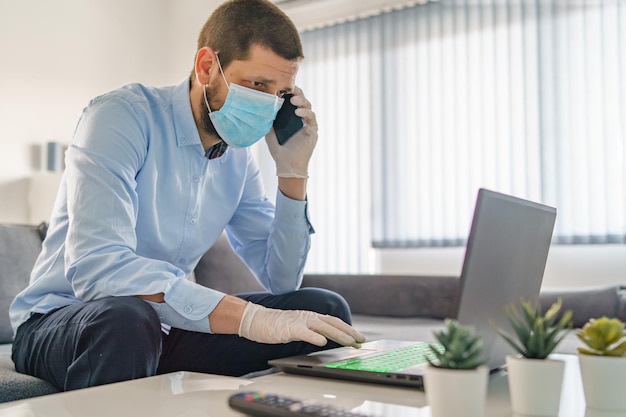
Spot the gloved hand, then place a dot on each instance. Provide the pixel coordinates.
(292, 158)
(268, 325)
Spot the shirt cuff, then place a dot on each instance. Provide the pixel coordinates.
(191, 301)
(293, 212)
(170, 317)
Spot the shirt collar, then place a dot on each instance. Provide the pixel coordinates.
(184, 123)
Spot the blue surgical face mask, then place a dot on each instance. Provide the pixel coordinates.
(246, 116)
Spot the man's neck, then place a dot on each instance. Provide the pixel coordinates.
(195, 95)
(208, 140)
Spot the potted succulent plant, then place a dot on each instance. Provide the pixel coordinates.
(535, 380)
(603, 363)
(456, 380)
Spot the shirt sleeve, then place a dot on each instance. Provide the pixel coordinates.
(273, 241)
(195, 308)
(103, 160)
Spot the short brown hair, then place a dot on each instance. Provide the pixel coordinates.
(236, 25)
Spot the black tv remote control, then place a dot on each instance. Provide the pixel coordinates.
(260, 404)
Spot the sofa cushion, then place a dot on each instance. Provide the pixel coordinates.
(392, 295)
(221, 269)
(14, 386)
(19, 247)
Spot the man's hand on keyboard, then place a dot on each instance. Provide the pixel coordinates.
(267, 325)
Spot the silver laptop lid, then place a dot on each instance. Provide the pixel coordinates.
(505, 259)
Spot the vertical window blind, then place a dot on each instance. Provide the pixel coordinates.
(420, 107)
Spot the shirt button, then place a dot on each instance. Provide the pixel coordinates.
(193, 221)
(188, 309)
(196, 178)
(183, 140)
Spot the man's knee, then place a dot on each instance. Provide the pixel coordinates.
(324, 301)
(122, 341)
(122, 309)
(338, 306)
(92, 343)
(126, 319)
(320, 300)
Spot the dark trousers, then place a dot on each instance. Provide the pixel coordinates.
(119, 338)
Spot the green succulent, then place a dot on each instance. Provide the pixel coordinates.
(460, 347)
(536, 334)
(604, 337)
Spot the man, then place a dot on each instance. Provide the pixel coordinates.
(153, 177)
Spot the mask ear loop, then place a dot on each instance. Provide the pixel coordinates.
(225, 80)
(206, 101)
(219, 64)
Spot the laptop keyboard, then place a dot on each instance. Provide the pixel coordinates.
(391, 361)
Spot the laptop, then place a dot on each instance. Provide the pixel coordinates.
(505, 258)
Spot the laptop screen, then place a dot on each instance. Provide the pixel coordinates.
(505, 259)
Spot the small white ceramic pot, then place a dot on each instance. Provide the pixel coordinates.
(456, 392)
(604, 380)
(535, 385)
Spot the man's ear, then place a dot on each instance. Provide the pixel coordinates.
(206, 65)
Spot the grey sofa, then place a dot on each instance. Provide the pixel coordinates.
(402, 307)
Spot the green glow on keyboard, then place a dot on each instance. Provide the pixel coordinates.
(391, 361)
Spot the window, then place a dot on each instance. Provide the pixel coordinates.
(420, 107)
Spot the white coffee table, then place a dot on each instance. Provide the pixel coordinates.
(188, 394)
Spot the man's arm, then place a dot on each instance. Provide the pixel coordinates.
(277, 254)
(233, 315)
(104, 192)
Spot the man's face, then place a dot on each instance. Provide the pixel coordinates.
(263, 71)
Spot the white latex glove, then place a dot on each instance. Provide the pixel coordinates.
(292, 158)
(268, 325)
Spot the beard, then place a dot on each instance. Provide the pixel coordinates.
(205, 121)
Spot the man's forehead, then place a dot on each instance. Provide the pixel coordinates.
(280, 72)
(265, 57)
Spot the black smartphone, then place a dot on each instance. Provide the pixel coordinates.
(287, 123)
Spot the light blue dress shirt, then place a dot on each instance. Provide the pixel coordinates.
(139, 204)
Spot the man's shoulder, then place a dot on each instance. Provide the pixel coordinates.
(137, 93)
(133, 102)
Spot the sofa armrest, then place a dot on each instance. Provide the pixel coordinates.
(391, 295)
(587, 303)
(19, 247)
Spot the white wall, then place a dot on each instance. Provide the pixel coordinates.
(56, 55)
(185, 18)
(567, 266)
